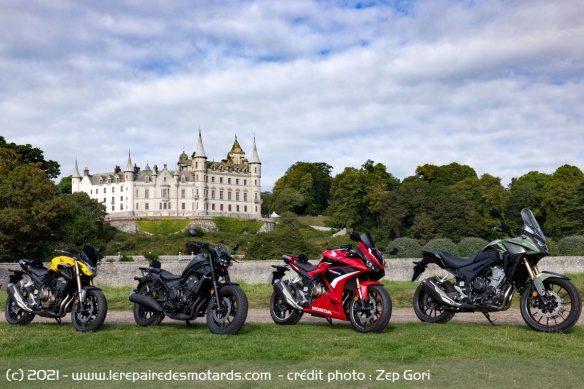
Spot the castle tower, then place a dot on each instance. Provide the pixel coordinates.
(199, 167)
(128, 195)
(75, 180)
(255, 168)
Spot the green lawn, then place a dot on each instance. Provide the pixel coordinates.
(454, 355)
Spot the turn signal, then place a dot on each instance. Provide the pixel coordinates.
(534, 293)
(212, 291)
(356, 298)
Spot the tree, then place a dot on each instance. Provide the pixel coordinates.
(28, 154)
(288, 200)
(312, 181)
(357, 195)
(83, 221)
(29, 208)
(446, 174)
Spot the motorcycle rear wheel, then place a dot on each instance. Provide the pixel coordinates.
(373, 313)
(560, 310)
(88, 316)
(145, 316)
(16, 315)
(281, 313)
(429, 310)
(230, 315)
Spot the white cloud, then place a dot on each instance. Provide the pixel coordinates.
(495, 85)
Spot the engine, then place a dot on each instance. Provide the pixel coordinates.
(318, 290)
(183, 294)
(48, 295)
(489, 288)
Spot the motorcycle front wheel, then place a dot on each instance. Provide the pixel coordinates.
(16, 315)
(281, 312)
(89, 315)
(430, 310)
(558, 311)
(228, 317)
(145, 316)
(373, 313)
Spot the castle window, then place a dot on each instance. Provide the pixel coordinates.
(245, 208)
(221, 207)
(113, 189)
(237, 181)
(100, 181)
(183, 178)
(212, 179)
(183, 206)
(229, 180)
(229, 196)
(213, 194)
(236, 196)
(237, 208)
(109, 180)
(147, 206)
(137, 206)
(121, 207)
(146, 193)
(244, 196)
(182, 194)
(220, 180)
(213, 206)
(220, 195)
(147, 179)
(244, 182)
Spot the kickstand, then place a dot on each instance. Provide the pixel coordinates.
(58, 320)
(489, 318)
(189, 324)
(330, 321)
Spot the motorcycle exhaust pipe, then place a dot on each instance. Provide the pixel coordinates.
(17, 296)
(284, 293)
(147, 301)
(431, 288)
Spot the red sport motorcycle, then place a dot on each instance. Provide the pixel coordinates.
(344, 285)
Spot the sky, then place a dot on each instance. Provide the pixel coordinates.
(496, 85)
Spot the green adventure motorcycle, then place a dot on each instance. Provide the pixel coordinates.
(487, 281)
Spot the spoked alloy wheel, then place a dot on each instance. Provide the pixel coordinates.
(558, 311)
(373, 313)
(281, 312)
(230, 315)
(88, 316)
(143, 315)
(16, 315)
(430, 310)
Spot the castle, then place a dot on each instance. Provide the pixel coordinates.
(197, 187)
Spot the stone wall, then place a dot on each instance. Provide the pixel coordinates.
(114, 273)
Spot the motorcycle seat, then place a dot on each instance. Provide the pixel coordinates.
(168, 276)
(35, 266)
(451, 260)
(307, 267)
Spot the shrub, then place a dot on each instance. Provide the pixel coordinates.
(407, 248)
(469, 246)
(571, 246)
(443, 244)
(552, 246)
(126, 258)
(154, 254)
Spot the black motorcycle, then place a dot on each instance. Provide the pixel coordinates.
(66, 286)
(487, 281)
(204, 287)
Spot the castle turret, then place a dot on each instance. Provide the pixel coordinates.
(255, 168)
(200, 171)
(76, 180)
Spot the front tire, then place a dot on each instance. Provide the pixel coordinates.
(16, 315)
(145, 316)
(281, 313)
(558, 311)
(88, 316)
(428, 309)
(230, 315)
(371, 314)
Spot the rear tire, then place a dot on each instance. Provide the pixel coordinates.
(145, 316)
(90, 315)
(559, 311)
(16, 315)
(282, 313)
(429, 310)
(373, 313)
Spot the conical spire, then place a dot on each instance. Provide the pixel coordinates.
(76, 171)
(200, 150)
(254, 156)
(129, 164)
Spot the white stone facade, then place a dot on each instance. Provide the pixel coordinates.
(198, 187)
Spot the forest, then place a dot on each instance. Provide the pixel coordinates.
(449, 202)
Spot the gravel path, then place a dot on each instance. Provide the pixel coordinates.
(399, 315)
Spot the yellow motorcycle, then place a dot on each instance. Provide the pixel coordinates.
(66, 286)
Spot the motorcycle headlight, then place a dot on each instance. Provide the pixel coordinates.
(224, 260)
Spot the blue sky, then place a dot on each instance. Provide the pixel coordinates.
(496, 85)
